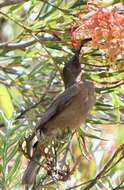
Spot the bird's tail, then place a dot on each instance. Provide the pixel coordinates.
(30, 172)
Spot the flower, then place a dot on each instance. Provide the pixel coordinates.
(106, 28)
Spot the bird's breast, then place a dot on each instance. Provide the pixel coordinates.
(73, 115)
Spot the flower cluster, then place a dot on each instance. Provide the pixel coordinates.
(106, 28)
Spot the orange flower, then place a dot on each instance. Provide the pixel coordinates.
(105, 27)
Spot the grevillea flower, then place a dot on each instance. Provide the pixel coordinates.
(75, 40)
(106, 28)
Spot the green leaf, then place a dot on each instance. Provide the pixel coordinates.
(117, 103)
(120, 135)
(2, 136)
(89, 135)
(6, 104)
(14, 168)
(78, 3)
(12, 154)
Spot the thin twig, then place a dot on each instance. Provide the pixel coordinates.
(109, 89)
(102, 173)
(119, 187)
(24, 44)
(105, 168)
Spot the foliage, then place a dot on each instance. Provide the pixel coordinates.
(35, 42)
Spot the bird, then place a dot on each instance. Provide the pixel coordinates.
(67, 111)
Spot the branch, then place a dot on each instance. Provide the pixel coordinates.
(109, 89)
(24, 44)
(119, 187)
(106, 167)
(5, 3)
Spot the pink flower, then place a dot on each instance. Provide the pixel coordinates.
(75, 36)
(106, 28)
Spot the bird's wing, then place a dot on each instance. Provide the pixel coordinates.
(59, 104)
